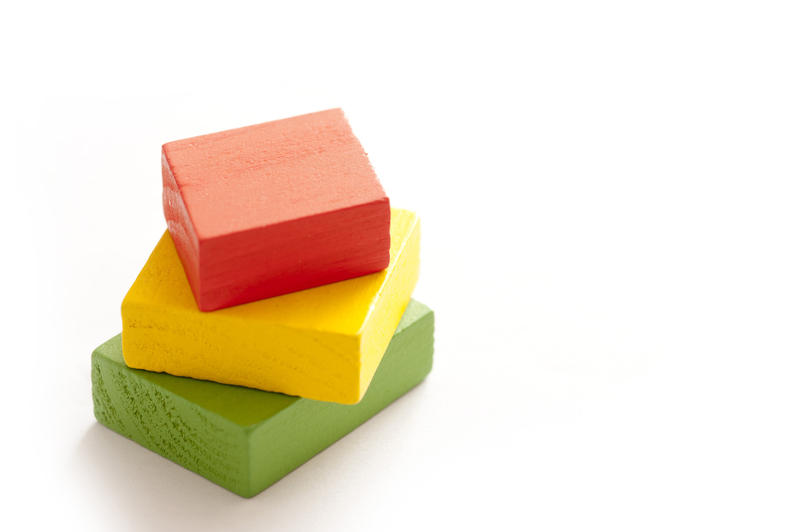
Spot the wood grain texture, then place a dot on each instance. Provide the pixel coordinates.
(243, 439)
(274, 208)
(324, 343)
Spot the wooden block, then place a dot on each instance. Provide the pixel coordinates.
(240, 438)
(323, 343)
(274, 208)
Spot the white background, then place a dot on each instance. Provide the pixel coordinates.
(609, 195)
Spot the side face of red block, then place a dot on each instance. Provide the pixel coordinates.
(274, 208)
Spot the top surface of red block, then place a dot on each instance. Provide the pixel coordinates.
(269, 173)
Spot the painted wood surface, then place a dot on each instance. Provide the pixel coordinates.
(274, 208)
(324, 343)
(240, 438)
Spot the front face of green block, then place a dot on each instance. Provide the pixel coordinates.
(240, 438)
(138, 407)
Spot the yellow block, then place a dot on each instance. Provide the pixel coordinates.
(324, 343)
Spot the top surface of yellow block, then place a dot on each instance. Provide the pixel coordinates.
(341, 307)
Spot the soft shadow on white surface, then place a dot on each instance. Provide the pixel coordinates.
(150, 492)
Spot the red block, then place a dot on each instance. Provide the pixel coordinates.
(269, 209)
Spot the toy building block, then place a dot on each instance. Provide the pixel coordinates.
(240, 438)
(323, 343)
(274, 208)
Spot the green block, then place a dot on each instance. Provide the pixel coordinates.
(240, 438)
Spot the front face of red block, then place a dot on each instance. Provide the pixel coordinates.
(294, 256)
(274, 208)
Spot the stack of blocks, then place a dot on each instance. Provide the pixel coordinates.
(275, 314)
